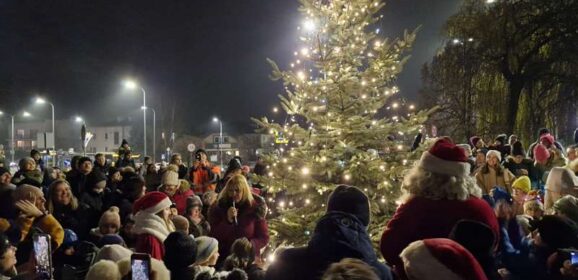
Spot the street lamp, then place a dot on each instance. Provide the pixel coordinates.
(78, 119)
(132, 85)
(215, 119)
(154, 132)
(24, 114)
(40, 100)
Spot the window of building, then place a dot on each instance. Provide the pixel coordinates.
(116, 138)
(216, 139)
(20, 133)
(106, 149)
(225, 139)
(106, 136)
(32, 143)
(33, 133)
(20, 144)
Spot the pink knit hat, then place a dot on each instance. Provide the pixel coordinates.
(541, 154)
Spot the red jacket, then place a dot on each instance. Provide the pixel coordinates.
(148, 244)
(421, 218)
(251, 223)
(180, 198)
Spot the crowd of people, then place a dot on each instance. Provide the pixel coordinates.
(469, 211)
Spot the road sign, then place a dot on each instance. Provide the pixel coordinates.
(191, 147)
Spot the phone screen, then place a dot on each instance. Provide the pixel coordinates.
(574, 258)
(42, 256)
(140, 269)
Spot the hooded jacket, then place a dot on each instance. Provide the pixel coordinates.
(337, 235)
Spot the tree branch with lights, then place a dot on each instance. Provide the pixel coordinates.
(345, 123)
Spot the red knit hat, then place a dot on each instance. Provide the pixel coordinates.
(548, 138)
(445, 157)
(441, 258)
(541, 154)
(152, 202)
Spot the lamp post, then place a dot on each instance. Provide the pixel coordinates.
(154, 133)
(133, 85)
(40, 100)
(12, 152)
(215, 119)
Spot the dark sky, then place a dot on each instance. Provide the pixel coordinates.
(205, 57)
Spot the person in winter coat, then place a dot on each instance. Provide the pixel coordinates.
(109, 223)
(7, 258)
(202, 173)
(177, 190)
(238, 213)
(518, 164)
(95, 197)
(152, 178)
(340, 233)
(35, 154)
(30, 202)
(198, 225)
(530, 261)
(152, 223)
(440, 258)
(500, 145)
(133, 188)
(125, 160)
(567, 207)
(243, 257)
(440, 193)
(181, 254)
(66, 208)
(479, 240)
(177, 160)
(542, 132)
(494, 174)
(28, 173)
(100, 164)
(572, 152)
(78, 176)
(560, 182)
(207, 256)
(520, 189)
(234, 168)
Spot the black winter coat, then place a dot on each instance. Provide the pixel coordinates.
(337, 235)
(73, 219)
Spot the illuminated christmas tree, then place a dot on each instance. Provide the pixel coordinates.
(344, 122)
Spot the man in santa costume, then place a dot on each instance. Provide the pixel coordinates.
(439, 193)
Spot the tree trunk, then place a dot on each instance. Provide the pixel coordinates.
(515, 90)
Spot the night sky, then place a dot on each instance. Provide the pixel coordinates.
(204, 58)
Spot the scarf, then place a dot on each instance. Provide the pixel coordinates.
(151, 224)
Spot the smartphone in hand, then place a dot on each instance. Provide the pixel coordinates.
(42, 256)
(140, 265)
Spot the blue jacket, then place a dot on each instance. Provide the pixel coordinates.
(337, 235)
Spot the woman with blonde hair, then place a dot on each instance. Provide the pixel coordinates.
(66, 208)
(238, 213)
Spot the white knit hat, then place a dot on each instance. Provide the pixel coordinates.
(495, 153)
(171, 176)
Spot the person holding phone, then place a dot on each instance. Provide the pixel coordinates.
(238, 213)
(29, 200)
(203, 174)
(152, 223)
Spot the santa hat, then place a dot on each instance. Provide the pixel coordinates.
(152, 203)
(541, 153)
(110, 217)
(495, 153)
(171, 176)
(548, 138)
(441, 258)
(444, 157)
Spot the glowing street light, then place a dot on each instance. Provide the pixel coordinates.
(132, 85)
(26, 114)
(78, 119)
(215, 119)
(40, 100)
